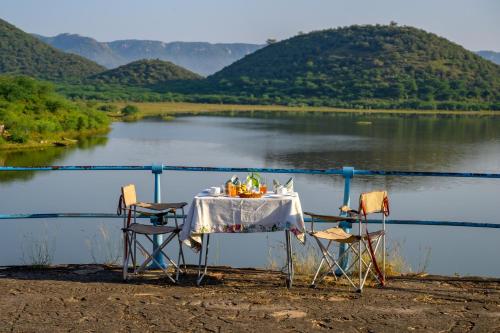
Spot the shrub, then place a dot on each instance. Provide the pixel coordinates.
(108, 108)
(130, 110)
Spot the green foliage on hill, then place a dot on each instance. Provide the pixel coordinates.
(30, 110)
(362, 66)
(21, 53)
(144, 73)
(379, 67)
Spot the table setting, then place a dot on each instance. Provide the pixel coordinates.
(244, 207)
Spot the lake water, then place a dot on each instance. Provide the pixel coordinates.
(269, 140)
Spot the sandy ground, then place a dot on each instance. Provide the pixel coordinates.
(93, 299)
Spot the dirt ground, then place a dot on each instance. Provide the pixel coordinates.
(93, 299)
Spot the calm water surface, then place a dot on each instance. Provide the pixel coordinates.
(265, 140)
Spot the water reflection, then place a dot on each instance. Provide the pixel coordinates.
(42, 157)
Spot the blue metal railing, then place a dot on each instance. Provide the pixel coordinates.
(346, 172)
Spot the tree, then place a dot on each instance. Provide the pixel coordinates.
(130, 110)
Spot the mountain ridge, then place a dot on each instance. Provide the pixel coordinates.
(110, 54)
(200, 57)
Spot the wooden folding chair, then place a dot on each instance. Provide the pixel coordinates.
(129, 207)
(364, 244)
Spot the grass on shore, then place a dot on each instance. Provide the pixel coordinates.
(169, 109)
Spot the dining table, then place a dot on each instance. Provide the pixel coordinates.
(210, 213)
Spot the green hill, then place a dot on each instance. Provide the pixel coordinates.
(361, 66)
(31, 112)
(21, 53)
(143, 73)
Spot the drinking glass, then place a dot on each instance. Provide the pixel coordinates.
(263, 185)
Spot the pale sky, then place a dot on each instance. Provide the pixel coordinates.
(475, 24)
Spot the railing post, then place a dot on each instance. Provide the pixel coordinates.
(157, 170)
(347, 173)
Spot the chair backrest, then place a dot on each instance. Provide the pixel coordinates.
(128, 195)
(374, 202)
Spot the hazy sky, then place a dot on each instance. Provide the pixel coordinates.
(474, 24)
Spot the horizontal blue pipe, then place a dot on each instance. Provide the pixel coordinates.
(111, 215)
(262, 170)
(78, 168)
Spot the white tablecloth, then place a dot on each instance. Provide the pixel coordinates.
(208, 214)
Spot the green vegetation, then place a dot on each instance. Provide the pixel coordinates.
(32, 113)
(144, 73)
(21, 53)
(356, 67)
(363, 67)
(130, 110)
(167, 110)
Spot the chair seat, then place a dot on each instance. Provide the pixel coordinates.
(339, 235)
(336, 234)
(161, 206)
(151, 229)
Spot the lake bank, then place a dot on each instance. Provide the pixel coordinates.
(162, 109)
(71, 297)
(167, 111)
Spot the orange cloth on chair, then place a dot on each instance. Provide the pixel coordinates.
(374, 202)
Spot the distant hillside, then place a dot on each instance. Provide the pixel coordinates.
(144, 73)
(86, 47)
(490, 55)
(21, 53)
(362, 66)
(199, 57)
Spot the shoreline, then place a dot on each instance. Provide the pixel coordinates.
(167, 111)
(159, 109)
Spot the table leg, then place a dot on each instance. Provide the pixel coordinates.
(200, 275)
(289, 278)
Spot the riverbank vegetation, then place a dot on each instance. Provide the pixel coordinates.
(167, 110)
(32, 114)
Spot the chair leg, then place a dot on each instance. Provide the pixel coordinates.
(313, 283)
(360, 273)
(369, 266)
(332, 263)
(151, 258)
(125, 256)
(323, 259)
(135, 253)
(383, 255)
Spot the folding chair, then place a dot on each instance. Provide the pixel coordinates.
(361, 245)
(129, 207)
